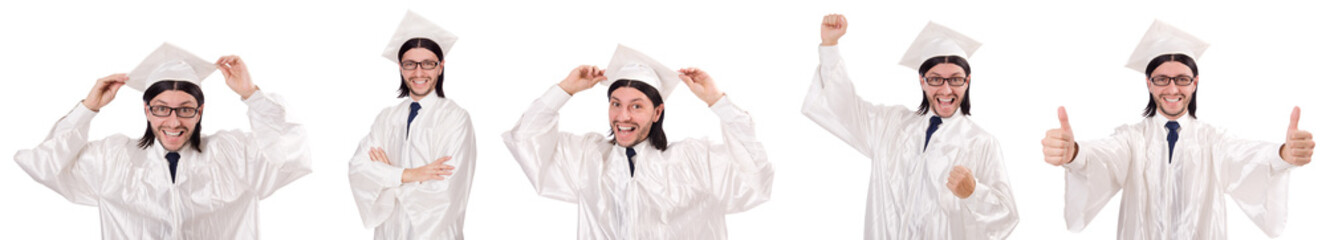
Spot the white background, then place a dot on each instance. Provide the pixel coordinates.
(323, 57)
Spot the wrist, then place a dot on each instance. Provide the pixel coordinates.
(98, 108)
(248, 93)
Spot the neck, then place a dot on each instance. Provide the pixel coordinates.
(1172, 117)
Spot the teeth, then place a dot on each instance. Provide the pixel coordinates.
(420, 82)
(622, 128)
(947, 100)
(174, 133)
(1171, 99)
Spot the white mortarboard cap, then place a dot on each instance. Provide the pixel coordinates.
(1163, 39)
(169, 62)
(630, 64)
(415, 26)
(937, 40)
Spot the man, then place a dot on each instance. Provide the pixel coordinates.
(173, 183)
(402, 174)
(1174, 170)
(634, 184)
(956, 190)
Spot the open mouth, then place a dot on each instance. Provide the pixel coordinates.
(420, 82)
(172, 135)
(625, 129)
(946, 102)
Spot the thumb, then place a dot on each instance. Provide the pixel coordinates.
(1293, 120)
(1063, 119)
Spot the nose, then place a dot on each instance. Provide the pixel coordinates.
(1171, 88)
(945, 89)
(171, 121)
(621, 115)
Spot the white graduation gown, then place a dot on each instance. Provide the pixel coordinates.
(1179, 200)
(908, 196)
(681, 193)
(216, 191)
(419, 210)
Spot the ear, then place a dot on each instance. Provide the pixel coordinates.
(1195, 80)
(658, 111)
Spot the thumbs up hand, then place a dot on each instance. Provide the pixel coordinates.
(1298, 146)
(1059, 146)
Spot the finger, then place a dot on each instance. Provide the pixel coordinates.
(1063, 119)
(686, 79)
(842, 21)
(1293, 120)
(1054, 160)
(441, 160)
(445, 173)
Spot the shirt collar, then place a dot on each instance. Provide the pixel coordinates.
(957, 116)
(428, 102)
(1160, 120)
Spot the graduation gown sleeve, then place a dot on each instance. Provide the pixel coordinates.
(275, 153)
(1098, 172)
(742, 174)
(59, 162)
(374, 184)
(833, 104)
(1253, 174)
(551, 159)
(991, 212)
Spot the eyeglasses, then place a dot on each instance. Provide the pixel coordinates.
(164, 111)
(427, 65)
(1164, 81)
(939, 81)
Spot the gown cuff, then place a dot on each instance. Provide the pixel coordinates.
(80, 115)
(555, 97)
(829, 56)
(1278, 164)
(725, 109)
(978, 195)
(1078, 163)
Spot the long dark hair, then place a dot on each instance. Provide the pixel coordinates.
(166, 85)
(431, 46)
(656, 136)
(1150, 110)
(965, 106)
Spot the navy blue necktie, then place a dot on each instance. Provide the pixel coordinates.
(1173, 137)
(174, 159)
(414, 111)
(630, 157)
(934, 125)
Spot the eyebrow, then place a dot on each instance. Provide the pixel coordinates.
(186, 103)
(630, 101)
(1180, 75)
(950, 75)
